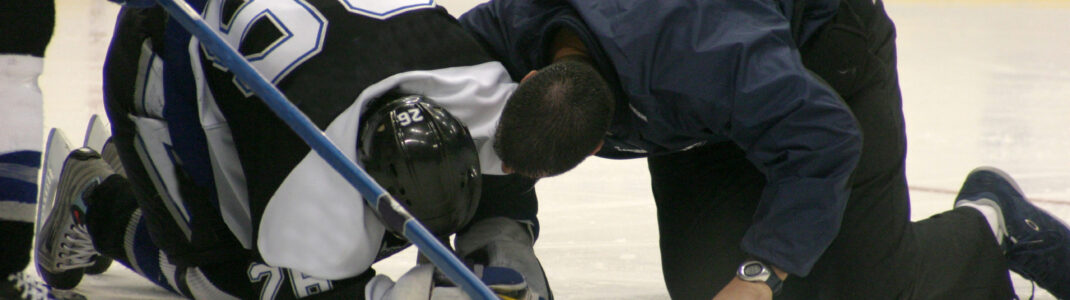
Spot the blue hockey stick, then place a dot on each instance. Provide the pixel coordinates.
(389, 210)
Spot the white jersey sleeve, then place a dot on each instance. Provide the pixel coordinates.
(317, 223)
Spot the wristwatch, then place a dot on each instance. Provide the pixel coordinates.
(756, 271)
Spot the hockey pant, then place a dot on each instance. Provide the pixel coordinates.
(120, 231)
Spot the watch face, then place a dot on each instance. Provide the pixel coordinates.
(752, 270)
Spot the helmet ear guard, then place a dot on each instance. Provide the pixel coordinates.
(424, 157)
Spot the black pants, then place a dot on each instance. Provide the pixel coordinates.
(706, 197)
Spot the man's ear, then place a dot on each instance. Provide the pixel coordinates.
(532, 73)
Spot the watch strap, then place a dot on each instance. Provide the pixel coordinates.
(772, 280)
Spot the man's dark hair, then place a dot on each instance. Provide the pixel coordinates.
(554, 119)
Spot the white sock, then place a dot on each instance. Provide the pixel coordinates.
(991, 215)
(22, 115)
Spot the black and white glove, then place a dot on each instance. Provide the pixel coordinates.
(504, 242)
(419, 284)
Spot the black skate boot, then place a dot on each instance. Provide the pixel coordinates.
(63, 245)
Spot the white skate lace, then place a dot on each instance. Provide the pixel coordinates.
(76, 250)
(28, 287)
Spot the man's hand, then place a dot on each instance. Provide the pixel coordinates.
(747, 290)
(737, 289)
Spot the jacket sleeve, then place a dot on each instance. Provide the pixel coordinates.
(798, 132)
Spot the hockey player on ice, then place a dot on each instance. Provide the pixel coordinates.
(222, 200)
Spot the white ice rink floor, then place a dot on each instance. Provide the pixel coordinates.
(985, 82)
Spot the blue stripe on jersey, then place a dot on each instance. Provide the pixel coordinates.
(180, 107)
(18, 176)
(18, 191)
(25, 158)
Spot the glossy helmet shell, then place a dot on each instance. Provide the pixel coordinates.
(425, 158)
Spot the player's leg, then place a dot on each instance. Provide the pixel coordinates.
(95, 212)
(706, 198)
(92, 213)
(153, 245)
(99, 214)
(27, 28)
(115, 227)
(118, 230)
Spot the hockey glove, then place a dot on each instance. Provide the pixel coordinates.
(419, 284)
(506, 243)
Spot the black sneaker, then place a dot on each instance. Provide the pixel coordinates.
(19, 286)
(1036, 244)
(63, 245)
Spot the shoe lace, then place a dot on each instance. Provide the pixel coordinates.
(30, 288)
(1031, 256)
(76, 250)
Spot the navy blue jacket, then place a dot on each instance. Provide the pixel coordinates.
(688, 73)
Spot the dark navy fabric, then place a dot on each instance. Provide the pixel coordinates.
(180, 107)
(694, 73)
(147, 256)
(18, 176)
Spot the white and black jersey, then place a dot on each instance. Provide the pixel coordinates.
(228, 175)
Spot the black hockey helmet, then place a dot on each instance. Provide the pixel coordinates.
(425, 158)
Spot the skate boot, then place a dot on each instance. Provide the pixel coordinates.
(19, 286)
(111, 156)
(1036, 244)
(63, 245)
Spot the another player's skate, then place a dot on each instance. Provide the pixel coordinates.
(19, 286)
(1037, 245)
(63, 245)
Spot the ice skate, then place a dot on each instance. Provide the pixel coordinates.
(63, 245)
